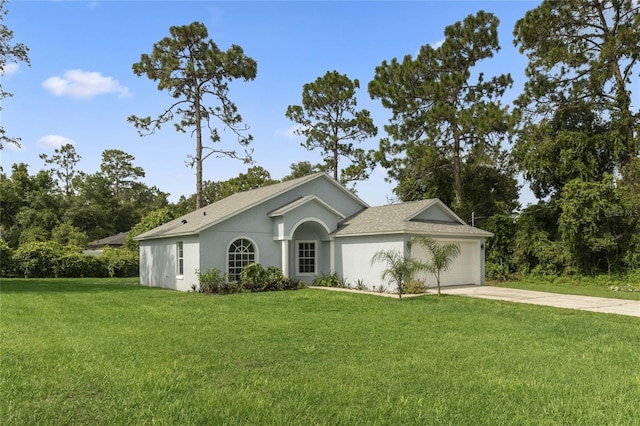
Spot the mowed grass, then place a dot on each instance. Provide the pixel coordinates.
(585, 286)
(112, 352)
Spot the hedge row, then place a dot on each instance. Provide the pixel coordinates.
(52, 260)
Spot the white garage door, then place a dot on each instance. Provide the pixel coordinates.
(465, 268)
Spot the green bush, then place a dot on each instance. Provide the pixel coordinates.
(416, 286)
(253, 278)
(327, 280)
(38, 259)
(76, 264)
(120, 262)
(497, 272)
(6, 260)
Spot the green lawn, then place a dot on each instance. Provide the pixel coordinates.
(585, 286)
(111, 352)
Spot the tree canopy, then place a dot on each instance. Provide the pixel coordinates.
(193, 68)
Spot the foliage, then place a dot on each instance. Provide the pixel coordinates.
(436, 105)
(191, 67)
(499, 249)
(117, 168)
(417, 286)
(331, 122)
(301, 169)
(587, 227)
(10, 52)
(6, 260)
(38, 259)
(121, 262)
(253, 278)
(326, 280)
(66, 234)
(585, 51)
(441, 256)
(399, 269)
(150, 221)
(63, 166)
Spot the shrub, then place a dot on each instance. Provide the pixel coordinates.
(6, 260)
(121, 262)
(75, 264)
(326, 280)
(416, 286)
(211, 280)
(38, 259)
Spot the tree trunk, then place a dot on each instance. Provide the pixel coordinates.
(457, 186)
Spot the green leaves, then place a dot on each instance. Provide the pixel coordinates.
(192, 68)
(435, 103)
(330, 121)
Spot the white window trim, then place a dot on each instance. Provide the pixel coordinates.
(233, 240)
(179, 248)
(315, 258)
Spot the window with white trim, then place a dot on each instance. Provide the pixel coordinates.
(180, 257)
(306, 257)
(241, 253)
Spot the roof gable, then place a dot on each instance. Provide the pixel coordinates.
(414, 217)
(301, 202)
(205, 217)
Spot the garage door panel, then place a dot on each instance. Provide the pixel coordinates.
(464, 270)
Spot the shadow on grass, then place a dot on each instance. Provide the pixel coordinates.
(67, 285)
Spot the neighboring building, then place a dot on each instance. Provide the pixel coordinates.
(97, 247)
(306, 227)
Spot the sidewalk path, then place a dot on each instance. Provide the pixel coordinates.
(568, 301)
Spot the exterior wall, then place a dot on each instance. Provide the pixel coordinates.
(353, 258)
(467, 268)
(256, 225)
(435, 213)
(159, 266)
(311, 231)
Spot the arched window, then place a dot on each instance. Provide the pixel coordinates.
(241, 253)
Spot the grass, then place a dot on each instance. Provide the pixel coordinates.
(586, 286)
(112, 352)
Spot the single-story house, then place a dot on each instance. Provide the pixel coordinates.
(306, 227)
(97, 247)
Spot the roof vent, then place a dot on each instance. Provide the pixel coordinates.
(184, 221)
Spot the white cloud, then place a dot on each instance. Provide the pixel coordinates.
(290, 132)
(53, 142)
(84, 84)
(9, 69)
(437, 44)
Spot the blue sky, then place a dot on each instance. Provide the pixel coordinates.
(80, 88)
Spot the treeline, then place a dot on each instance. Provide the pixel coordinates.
(573, 134)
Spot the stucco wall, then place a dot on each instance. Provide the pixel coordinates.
(467, 268)
(353, 258)
(158, 263)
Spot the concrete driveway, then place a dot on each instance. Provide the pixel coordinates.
(567, 301)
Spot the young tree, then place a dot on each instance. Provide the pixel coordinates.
(63, 165)
(9, 53)
(442, 256)
(117, 167)
(191, 68)
(329, 119)
(583, 51)
(399, 268)
(435, 102)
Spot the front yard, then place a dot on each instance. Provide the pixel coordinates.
(112, 352)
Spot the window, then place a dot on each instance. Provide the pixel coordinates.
(241, 253)
(306, 257)
(180, 257)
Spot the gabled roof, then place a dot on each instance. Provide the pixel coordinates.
(201, 219)
(302, 201)
(401, 218)
(114, 240)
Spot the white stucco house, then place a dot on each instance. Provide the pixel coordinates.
(305, 227)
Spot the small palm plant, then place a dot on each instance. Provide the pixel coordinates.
(399, 270)
(442, 256)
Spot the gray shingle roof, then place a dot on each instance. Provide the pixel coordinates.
(397, 218)
(196, 221)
